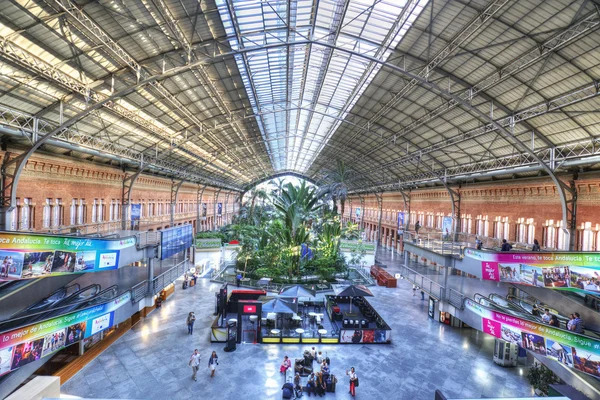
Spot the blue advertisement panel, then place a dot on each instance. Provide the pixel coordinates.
(219, 209)
(357, 213)
(175, 240)
(400, 223)
(204, 210)
(27, 256)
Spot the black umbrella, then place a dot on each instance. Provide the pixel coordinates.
(280, 306)
(296, 291)
(354, 291)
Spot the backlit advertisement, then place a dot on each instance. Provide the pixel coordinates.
(571, 349)
(365, 336)
(26, 256)
(21, 346)
(400, 223)
(576, 272)
(446, 228)
(175, 240)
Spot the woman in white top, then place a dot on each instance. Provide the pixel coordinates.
(213, 361)
(353, 379)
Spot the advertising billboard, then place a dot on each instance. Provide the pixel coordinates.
(136, 213)
(571, 349)
(219, 209)
(175, 240)
(400, 223)
(24, 345)
(204, 207)
(358, 213)
(576, 272)
(26, 256)
(365, 336)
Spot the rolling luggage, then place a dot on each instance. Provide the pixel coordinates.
(184, 285)
(287, 390)
(331, 383)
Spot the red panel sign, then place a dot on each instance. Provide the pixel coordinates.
(249, 309)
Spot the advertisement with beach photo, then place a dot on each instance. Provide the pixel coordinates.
(28, 256)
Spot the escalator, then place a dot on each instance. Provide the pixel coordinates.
(11, 287)
(493, 305)
(63, 306)
(48, 302)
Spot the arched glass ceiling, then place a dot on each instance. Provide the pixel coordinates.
(279, 81)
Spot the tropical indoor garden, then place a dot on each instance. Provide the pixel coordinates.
(291, 232)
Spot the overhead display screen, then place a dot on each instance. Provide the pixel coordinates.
(175, 240)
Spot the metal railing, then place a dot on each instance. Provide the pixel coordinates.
(436, 242)
(169, 276)
(140, 290)
(456, 298)
(433, 288)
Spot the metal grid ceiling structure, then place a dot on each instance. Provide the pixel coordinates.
(406, 92)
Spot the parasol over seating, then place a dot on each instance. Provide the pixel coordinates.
(296, 291)
(353, 291)
(280, 306)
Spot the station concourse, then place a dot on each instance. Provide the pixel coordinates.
(410, 187)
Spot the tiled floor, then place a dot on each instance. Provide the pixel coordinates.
(150, 361)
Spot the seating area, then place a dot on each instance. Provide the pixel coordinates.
(361, 316)
(310, 321)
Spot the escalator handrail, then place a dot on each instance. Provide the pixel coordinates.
(43, 312)
(69, 300)
(538, 322)
(37, 314)
(89, 301)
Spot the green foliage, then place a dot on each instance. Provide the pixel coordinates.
(273, 227)
(211, 235)
(540, 377)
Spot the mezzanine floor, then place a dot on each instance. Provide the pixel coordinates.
(151, 360)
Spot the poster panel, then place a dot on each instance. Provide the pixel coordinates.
(576, 272)
(219, 209)
(28, 256)
(365, 336)
(175, 240)
(400, 223)
(29, 343)
(572, 349)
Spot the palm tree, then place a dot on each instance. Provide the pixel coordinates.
(338, 188)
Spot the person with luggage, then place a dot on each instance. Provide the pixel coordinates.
(310, 385)
(213, 361)
(325, 370)
(191, 318)
(297, 385)
(353, 381)
(194, 363)
(285, 365)
(320, 385)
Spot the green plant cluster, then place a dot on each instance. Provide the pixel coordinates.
(540, 377)
(274, 226)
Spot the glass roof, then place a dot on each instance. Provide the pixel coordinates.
(301, 93)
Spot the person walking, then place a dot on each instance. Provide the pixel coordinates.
(417, 227)
(213, 361)
(194, 363)
(191, 318)
(414, 290)
(353, 381)
(238, 279)
(422, 294)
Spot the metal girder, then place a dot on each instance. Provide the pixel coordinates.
(78, 15)
(225, 211)
(379, 197)
(174, 196)
(128, 183)
(536, 53)
(406, 199)
(199, 194)
(216, 198)
(35, 128)
(564, 100)
(200, 73)
(454, 44)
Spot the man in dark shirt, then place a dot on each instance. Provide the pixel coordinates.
(578, 322)
(506, 246)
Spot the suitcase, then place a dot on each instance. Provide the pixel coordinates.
(331, 383)
(184, 285)
(287, 390)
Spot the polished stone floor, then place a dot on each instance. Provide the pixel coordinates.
(151, 361)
